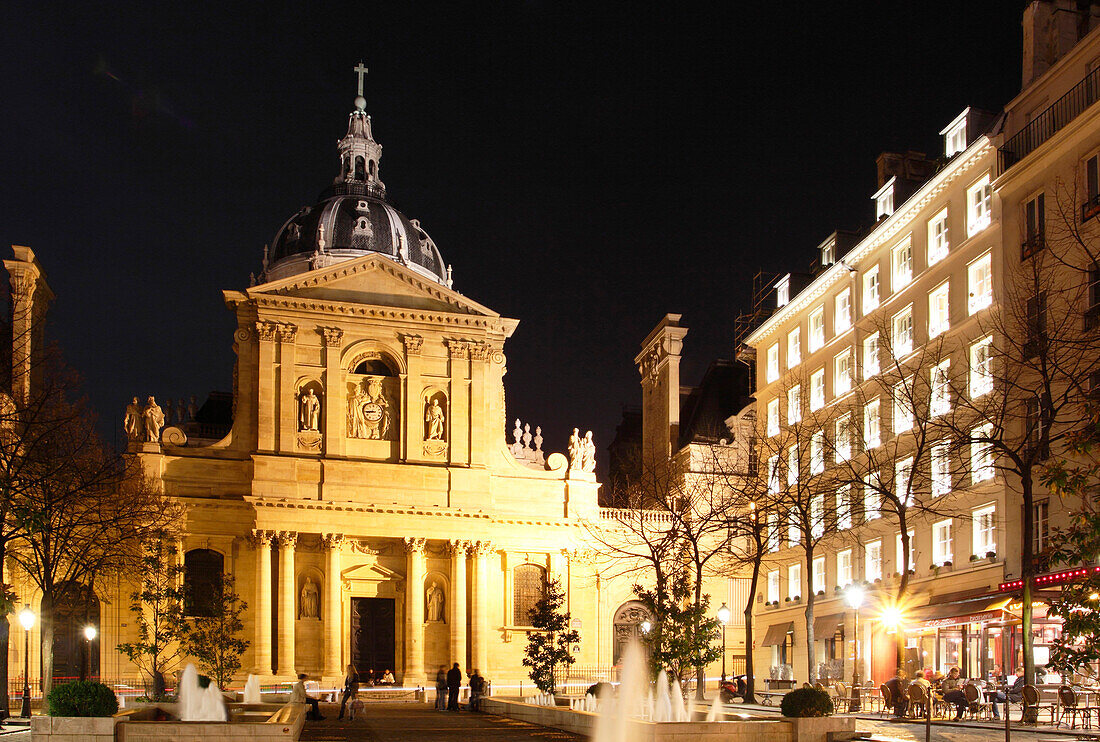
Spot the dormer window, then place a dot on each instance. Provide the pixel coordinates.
(954, 135)
(783, 292)
(828, 254)
(884, 200)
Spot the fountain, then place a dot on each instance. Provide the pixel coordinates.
(252, 690)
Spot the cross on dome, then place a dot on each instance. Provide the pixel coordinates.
(360, 101)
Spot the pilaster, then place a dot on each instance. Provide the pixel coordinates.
(335, 427)
(414, 406)
(261, 645)
(287, 541)
(287, 404)
(459, 424)
(265, 422)
(479, 616)
(456, 614)
(334, 610)
(480, 353)
(414, 611)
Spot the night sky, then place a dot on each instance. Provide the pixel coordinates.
(586, 167)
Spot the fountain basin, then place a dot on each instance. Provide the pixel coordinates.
(261, 721)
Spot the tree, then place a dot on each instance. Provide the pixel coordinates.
(157, 606)
(748, 548)
(550, 646)
(682, 638)
(215, 639)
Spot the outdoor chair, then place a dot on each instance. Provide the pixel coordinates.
(841, 699)
(976, 705)
(1067, 700)
(918, 700)
(1033, 705)
(887, 699)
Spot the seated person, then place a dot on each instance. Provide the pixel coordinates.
(1015, 693)
(899, 687)
(477, 690)
(922, 681)
(951, 687)
(298, 695)
(387, 678)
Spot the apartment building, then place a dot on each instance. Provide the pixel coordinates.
(862, 372)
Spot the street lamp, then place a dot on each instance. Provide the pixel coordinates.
(723, 618)
(26, 620)
(646, 626)
(86, 663)
(854, 596)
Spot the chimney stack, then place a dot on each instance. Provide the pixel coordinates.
(1052, 28)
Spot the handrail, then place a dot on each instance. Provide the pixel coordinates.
(1050, 121)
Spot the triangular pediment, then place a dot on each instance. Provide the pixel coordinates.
(374, 280)
(371, 572)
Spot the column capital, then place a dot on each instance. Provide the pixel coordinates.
(334, 336)
(333, 541)
(415, 545)
(260, 539)
(287, 539)
(480, 351)
(265, 331)
(287, 332)
(458, 547)
(413, 343)
(481, 548)
(458, 349)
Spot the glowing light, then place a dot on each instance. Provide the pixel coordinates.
(854, 595)
(89, 633)
(723, 615)
(891, 617)
(26, 619)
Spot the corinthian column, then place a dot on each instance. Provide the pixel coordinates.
(414, 611)
(287, 542)
(456, 613)
(334, 612)
(261, 652)
(479, 631)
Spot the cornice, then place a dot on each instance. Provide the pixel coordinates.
(370, 311)
(887, 230)
(261, 502)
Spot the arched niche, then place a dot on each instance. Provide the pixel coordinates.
(626, 627)
(310, 399)
(437, 415)
(373, 394)
(309, 594)
(437, 594)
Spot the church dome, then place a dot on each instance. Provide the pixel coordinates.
(353, 217)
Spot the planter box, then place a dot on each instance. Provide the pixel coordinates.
(818, 729)
(73, 728)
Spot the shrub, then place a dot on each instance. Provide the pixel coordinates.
(807, 702)
(82, 698)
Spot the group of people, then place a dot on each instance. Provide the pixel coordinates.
(949, 688)
(349, 697)
(448, 683)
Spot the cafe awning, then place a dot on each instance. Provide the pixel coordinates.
(777, 633)
(825, 626)
(958, 612)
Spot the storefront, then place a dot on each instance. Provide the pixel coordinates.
(966, 633)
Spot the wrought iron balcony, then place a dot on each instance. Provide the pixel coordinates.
(1049, 122)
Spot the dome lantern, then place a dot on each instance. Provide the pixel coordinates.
(360, 155)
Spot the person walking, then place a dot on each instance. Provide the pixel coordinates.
(441, 689)
(351, 689)
(454, 682)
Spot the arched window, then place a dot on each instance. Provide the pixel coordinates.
(370, 167)
(72, 607)
(529, 587)
(374, 367)
(202, 570)
(360, 168)
(347, 166)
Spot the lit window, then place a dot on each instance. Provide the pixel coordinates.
(817, 328)
(842, 317)
(828, 254)
(903, 482)
(819, 574)
(937, 238)
(980, 279)
(794, 404)
(792, 466)
(794, 581)
(981, 454)
(773, 417)
(941, 542)
(528, 588)
(842, 373)
(902, 262)
(899, 552)
(872, 504)
(773, 475)
(981, 367)
(817, 516)
(843, 437)
(783, 292)
(903, 407)
(792, 531)
(773, 529)
(773, 586)
(773, 363)
(979, 206)
(884, 200)
(870, 356)
(985, 530)
(794, 347)
(817, 389)
(954, 136)
(941, 469)
(939, 310)
(873, 560)
(872, 433)
(1034, 226)
(940, 403)
(817, 452)
(844, 568)
(871, 293)
(844, 507)
(902, 340)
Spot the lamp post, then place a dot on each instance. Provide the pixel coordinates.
(854, 595)
(86, 662)
(723, 618)
(26, 620)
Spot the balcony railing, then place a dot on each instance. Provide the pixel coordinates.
(1046, 124)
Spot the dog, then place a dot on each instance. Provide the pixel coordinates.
(355, 707)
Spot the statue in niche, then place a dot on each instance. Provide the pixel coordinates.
(153, 417)
(309, 600)
(435, 418)
(435, 602)
(309, 411)
(131, 422)
(576, 450)
(369, 411)
(588, 453)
